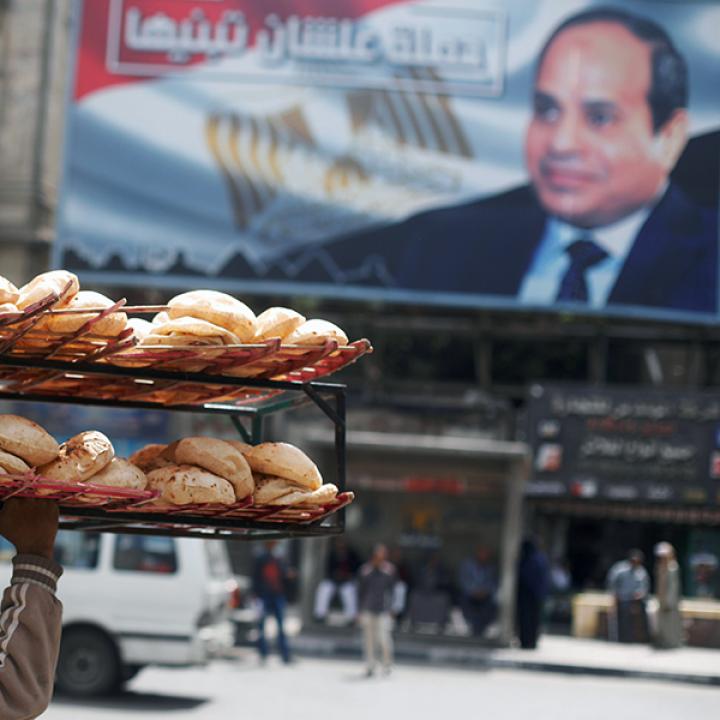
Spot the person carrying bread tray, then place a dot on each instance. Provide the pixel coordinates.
(30, 614)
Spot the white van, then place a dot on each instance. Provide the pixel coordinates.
(135, 600)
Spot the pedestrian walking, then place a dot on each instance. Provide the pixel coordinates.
(270, 578)
(377, 580)
(667, 589)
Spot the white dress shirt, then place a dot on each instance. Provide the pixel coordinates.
(542, 281)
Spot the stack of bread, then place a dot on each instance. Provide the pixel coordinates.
(208, 319)
(202, 317)
(198, 317)
(86, 457)
(196, 470)
(208, 470)
(66, 286)
(212, 319)
(90, 457)
(24, 445)
(285, 475)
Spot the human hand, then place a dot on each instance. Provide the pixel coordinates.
(30, 525)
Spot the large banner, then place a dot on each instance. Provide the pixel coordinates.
(511, 154)
(624, 445)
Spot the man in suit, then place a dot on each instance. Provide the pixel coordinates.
(601, 223)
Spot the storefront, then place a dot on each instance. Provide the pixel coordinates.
(435, 502)
(621, 469)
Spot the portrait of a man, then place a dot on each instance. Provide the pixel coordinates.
(602, 222)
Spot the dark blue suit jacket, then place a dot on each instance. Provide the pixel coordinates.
(486, 247)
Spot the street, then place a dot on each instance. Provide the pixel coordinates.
(312, 688)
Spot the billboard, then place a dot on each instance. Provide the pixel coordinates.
(519, 154)
(624, 446)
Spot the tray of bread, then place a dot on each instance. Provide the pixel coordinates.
(51, 318)
(200, 332)
(192, 486)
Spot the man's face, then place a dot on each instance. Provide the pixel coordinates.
(590, 148)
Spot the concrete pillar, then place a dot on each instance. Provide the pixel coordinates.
(34, 41)
(509, 547)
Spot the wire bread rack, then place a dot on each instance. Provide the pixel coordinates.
(24, 340)
(85, 367)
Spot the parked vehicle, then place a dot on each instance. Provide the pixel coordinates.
(135, 600)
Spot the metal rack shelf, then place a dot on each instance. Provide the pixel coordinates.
(258, 399)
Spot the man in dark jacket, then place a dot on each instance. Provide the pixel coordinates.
(602, 223)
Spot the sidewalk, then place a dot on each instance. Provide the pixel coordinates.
(555, 654)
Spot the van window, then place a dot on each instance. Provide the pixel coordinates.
(142, 553)
(77, 549)
(218, 560)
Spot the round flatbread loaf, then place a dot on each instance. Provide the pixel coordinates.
(180, 341)
(8, 292)
(27, 440)
(65, 284)
(151, 457)
(277, 322)
(161, 318)
(268, 489)
(8, 308)
(12, 463)
(79, 458)
(192, 331)
(120, 473)
(286, 461)
(186, 485)
(218, 457)
(217, 308)
(323, 495)
(109, 326)
(316, 332)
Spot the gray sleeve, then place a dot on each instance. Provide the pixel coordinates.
(30, 624)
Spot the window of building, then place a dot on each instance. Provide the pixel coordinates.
(518, 362)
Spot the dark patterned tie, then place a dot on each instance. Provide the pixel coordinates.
(584, 254)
